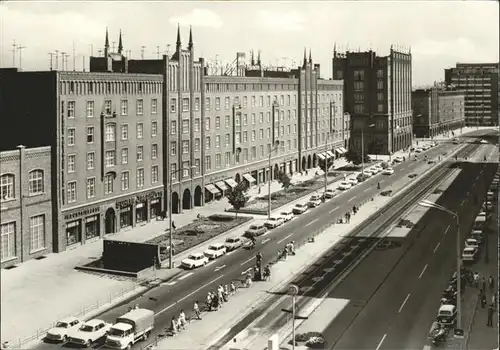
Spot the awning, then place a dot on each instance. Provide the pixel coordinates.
(222, 186)
(330, 154)
(231, 183)
(212, 189)
(343, 150)
(338, 150)
(321, 156)
(249, 178)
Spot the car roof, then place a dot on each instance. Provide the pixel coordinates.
(218, 245)
(233, 238)
(196, 254)
(447, 307)
(68, 319)
(472, 239)
(94, 322)
(122, 326)
(469, 249)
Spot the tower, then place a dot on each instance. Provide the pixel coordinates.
(178, 42)
(120, 44)
(305, 59)
(190, 44)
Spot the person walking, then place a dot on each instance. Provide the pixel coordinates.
(476, 279)
(490, 316)
(182, 320)
(232, 287)
(491, 284)
(196, 310)
(483, 283)
(482, 298)
(173, 326)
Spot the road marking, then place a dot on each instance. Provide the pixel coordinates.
(331, 211)
(427, 347)
(247, 261)
(185, 276)
(187, 296)
(403, 168)
(446, 231)
(219, 268)
(246, 271)
(229, 253)
(310, 223)
(423, 270)
(210, 263)
(366, 190)
(404, 302)
(381, 341)
(353, 198)
(281, 240)
(266, 240)
(437, 246)
(462, 202)
(170, 283)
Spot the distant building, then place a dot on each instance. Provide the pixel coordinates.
(437, 110)
(377, 91)
(480, 81)
(26, 204)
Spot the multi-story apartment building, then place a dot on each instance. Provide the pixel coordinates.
(377, 91)
(481, 85)
(26, 204)
(437, 110)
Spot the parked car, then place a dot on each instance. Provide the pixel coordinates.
(287, 215)
(483, 141)
(255, 230)
(330, 193)
(456, 141)
(388, 171)
(273, 222)
(433, 144)
(194, 260)
(419, 150)
(352, 180)
(469, 254)
(344, 185)
(426, 147)
(233, 243)
(299, 208)
(374, 170)
(399, 159)
(488, 206)
(215, 250)
(314, 201)
(368, 172)
(477, 235)
(60, 331)
(447, 315)
(471, 242)
(362, 177)
(90, 332)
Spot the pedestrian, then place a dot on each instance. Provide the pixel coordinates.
(348, 217)
(491, 283)
(345, 177)
(483, 283)
(233, 287)
(490, 316)
(216, 302)
(182, 320)
(354, 209)
(196, 310)
(173, 326)
(476, 279)
(173, 225)
(482, 297)
(226, 292)
(220, 296)
(209, 300)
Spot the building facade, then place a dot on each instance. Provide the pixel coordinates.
(480, 82)
(26, 204)
(437, 110)
(377, 95)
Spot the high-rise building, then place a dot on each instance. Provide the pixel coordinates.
(377, 95)
(480, 83)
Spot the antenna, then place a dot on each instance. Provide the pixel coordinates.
(83, 63)
(91, 50)
(129, 53)
(20, 48)
(51, 54)
(66, 56)
(14, 48)
(142, 52)
(157, 52)
(57, 59)
(63, 59)
(74, 56)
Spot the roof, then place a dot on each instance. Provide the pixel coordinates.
(195, 254)
(68, 319)
(218, 245)
(137, 313)
(122, 326)
(447, 307)
(469, 249)
(94, 322)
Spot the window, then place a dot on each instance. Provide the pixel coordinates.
(227, 159)
(268, 100)
(359, 74)
(110, 132)
(217, 103)
(154, 129)
(207, 123)
(185, 126)
(154, 174)
(7, 187)
(90, 134)
(140, 131)
(208, 163)
(380, 108)
(173, 171)
(380, 84)
(108, 184)
(207, 142)
(35, 182)
(359, 97)
(227, 102)
(261, 117)
(91, 187)
(245, 101)
(380, 73)
(154, 106)
(254, 119)
(282, 100)
(196, 144)
(254, 152)
(8, 241)
(217, 122)
(71, 191)
(253, 101)
(124, 131)
(185, 104)
(173, 104)
(139, 106)
(261, 150)
(359, 108)
(268, 115)
(71, 163)
(90, 160)
(154, 151)
(140, 153)
(358, 85)
(245, 136)
(261, 101)
(253, 135)
(124, 180)
(71, 109)
(173, 148)
(227, 121)
(217, 141)
(90, 109)
(245, 119)
(197, 104)
(173, 127)
(237, 138)
(261, 134)
(107, 107)
(124, 155)
(207, 104)
(217, 160)
(237, 120)
(110, 158)
(71, 136)
(197, 165)
(185, 146)
(380, 96)
(226, 140)
(185, 169)
(197, 124)
(124, 107)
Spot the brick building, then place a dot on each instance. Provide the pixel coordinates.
(480, 82)
(377, 91)
(26, 204)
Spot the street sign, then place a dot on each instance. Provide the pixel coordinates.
(293, 290)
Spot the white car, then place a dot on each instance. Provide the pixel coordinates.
(273, 222)
(368, 173)
(62, 328)
(194, 260)
(419, 150)
(426, 147)
(388, 171)
(378, 168)
(299, 208)
(287, 215)
(330, 193)
(233, 243)
(90, 332)
(352, 180)
(215, 250)
(469, 254)
(344, 185)
(483, 141)
(399, 159)
(314, 201)
(374, 170)
(471, 243)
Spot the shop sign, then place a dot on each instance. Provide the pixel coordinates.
(148, 196)
(140, 198)
(83, 212)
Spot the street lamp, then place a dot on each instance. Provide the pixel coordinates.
(429, 204)
(327, 135)
(170, 235)
(363, 149)
(273, 148)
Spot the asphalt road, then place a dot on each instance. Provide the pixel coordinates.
(402, 286)
(167, 300)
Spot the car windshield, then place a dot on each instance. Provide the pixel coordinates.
(230, 240)
(193, 257)
(212, 247)
(116, 332)
(253, 227)
(299, 205)
(62, 325)
(284, 213)
(86, 328)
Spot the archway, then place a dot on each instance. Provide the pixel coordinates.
(309, 162)
(315, 161)
(186, 199)
(198, 193)
(303, 164)
(276, 171)
(175, 203)
(110, 220)
(237, 178)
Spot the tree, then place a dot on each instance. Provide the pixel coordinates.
(354, 156)
(237, 197)
(325, 164)
(376, 147)
(284, 180)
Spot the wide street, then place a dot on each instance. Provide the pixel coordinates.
(168, 299)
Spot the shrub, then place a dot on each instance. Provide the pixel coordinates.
(221, 217)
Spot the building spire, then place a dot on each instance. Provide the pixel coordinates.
(120, 44)
(190, 45)
(106, 42)
(310, 57)
(305, 58)
(178, 43)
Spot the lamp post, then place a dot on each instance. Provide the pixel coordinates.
(293, 290)
(363, 149)
(429, 204)
(327, 135)
(170, 235)
(273, 147)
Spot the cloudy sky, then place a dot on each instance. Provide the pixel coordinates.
(440, 33)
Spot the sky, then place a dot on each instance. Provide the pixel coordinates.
(440, 33)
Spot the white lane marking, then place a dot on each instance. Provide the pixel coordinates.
(247, 261)
(437, 246)
(351, 199)
(381, 181)
(404, 302)
(366, 190)
(462, 202)
(311, 222)
(427, 347)
(229, 253)
(187, 296)
(210, 263)
(266, 240)
(170, 283)
(185, 276)
(446, 231)
(331, 211)
(246, 271)
(403, 168)
(281, 240)
(381, 341)
(219, 268)
(423, 270)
